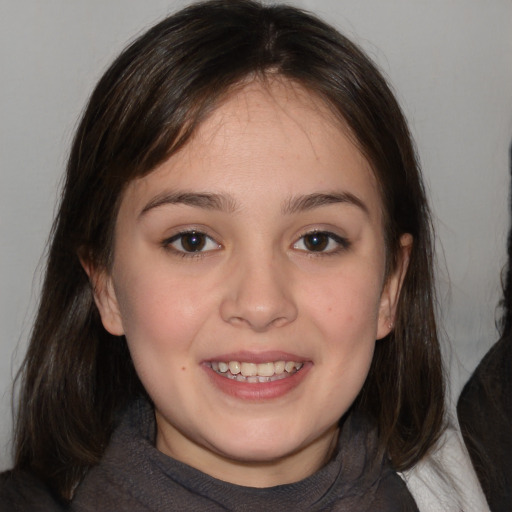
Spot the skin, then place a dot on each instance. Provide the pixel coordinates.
(255, 290)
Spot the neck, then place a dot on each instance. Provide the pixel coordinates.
(251, 473)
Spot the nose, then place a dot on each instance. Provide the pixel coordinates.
(258, 295)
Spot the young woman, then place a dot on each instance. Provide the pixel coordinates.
(238, 305)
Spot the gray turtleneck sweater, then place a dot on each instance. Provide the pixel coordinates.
(134, 476)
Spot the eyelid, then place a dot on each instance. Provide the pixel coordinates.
(168, 242)
(342, 242)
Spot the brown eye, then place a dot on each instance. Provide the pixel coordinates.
(316, 241)
(191, 242)
(322, 242)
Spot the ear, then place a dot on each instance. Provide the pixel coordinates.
(392, 287)
(104, 297)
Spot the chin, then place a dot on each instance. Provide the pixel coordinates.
(261, 448)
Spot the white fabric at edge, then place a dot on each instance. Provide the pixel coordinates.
(445, 480)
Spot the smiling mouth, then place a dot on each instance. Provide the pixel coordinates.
(255, 372)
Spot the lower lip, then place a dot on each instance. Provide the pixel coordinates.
(258, 391)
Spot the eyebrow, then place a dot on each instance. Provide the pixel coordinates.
(226, 203)
(317, 200)
(205, 201)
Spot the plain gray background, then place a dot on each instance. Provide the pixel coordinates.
(449, 61)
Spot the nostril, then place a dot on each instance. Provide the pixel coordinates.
(280, 322)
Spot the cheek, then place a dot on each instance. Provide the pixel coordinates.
(346, 307)
(160, 325)
(345, 311)
(159, 312)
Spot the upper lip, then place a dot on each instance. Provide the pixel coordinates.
(258, 357)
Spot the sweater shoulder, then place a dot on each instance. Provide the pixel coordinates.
(21, 491)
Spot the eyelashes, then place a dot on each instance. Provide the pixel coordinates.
(195, 243)
(321, 242)
(191, 243)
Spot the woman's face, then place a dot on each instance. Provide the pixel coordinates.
(249, 281)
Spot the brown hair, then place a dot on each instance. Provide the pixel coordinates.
(77, 377)
(505, 320)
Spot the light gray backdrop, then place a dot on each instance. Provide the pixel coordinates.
(450, 62)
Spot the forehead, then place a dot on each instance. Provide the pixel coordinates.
(265, 139)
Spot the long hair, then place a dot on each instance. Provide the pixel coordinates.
(505, 321)
(77, 377)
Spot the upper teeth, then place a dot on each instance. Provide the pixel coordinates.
(256, 370)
